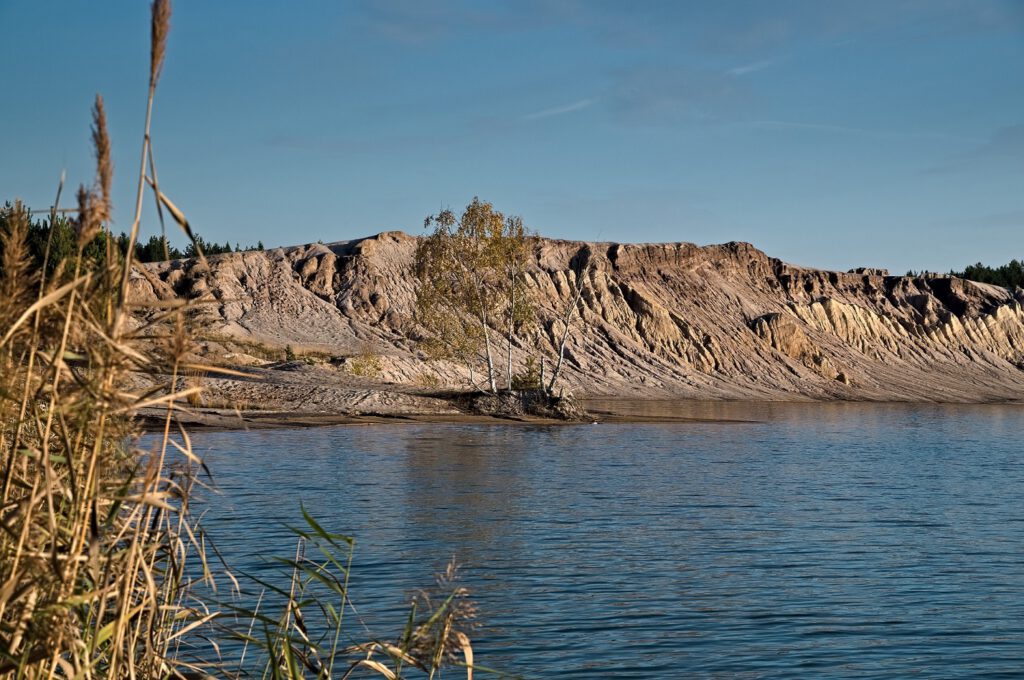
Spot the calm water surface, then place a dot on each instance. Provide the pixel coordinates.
(821, 540)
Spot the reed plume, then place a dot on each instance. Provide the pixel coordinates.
(88, 224)
(104, 165)
(160, 26)
(449, 617)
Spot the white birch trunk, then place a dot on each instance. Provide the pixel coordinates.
(511, 322)
(490, 361)
(565, 332)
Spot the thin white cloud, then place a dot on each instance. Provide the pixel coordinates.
(746, 69)
(861, 132)
(559, 110)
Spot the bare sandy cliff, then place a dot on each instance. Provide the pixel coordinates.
(656, 320)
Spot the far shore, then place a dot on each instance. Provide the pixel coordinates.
(223, 419)
(603, 410)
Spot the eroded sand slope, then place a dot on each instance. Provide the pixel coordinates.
(668, 320)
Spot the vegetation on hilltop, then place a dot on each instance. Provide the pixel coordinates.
(1007, 275)
(57, 232)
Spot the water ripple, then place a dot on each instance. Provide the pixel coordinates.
(823, 540)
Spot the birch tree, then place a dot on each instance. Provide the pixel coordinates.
(472, 285)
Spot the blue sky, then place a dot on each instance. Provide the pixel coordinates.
(832, 134)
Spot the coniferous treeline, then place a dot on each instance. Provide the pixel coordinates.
(64, 243)
(1008, 275)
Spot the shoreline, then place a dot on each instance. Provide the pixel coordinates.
(215, 420)
(602, 411)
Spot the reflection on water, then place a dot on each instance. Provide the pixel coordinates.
(830, 539)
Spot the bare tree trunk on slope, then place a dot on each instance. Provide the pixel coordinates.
(581, 280)
(511, 327)
(490, 361)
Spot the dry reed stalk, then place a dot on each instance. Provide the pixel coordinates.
(65, 472)
(160, 26)
(96, 533)
(16, 281)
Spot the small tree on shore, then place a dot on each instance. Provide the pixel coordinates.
(471, 272)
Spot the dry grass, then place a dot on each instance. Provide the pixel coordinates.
(95, 532)
(231, 345)
(428, 379)
(192, 384)
(103, 570)
(267, 352)
(366, 364)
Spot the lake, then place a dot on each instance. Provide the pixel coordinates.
(838, 540)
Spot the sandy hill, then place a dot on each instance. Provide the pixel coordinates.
(671, 320)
